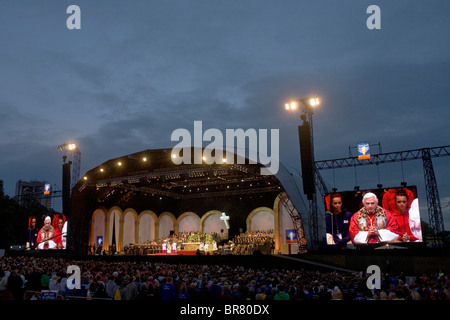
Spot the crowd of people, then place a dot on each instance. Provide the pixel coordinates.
(256, 237)
(23, 277)
(249, 242)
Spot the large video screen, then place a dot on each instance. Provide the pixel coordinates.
(388, 215)
(47, 233)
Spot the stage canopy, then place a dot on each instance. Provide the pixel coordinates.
(150, 179)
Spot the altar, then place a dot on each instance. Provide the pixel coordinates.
(191, 246)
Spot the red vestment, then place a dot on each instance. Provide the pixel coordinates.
(44, 235)
(56, 232)
(57, 238)
(382, 219)
(402, 219)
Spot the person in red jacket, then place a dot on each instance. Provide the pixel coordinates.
(58, 224)
(398, 201)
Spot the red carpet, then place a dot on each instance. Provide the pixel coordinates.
(179, 253)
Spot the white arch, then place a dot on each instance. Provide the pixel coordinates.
(166, 222)
(147, 226)
(98, 225)
(129, 229)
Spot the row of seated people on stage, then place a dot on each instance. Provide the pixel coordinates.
(208, 243)
(256, 237)
(248, 243)
(175, 243)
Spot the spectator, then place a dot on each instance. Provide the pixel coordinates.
(281, 295)
(4, 294)
(200, 281)
(131, 290)
(168, 290)
(52, 285)
(15, 284)
(111, 285)
(45, 280)
(183, 293)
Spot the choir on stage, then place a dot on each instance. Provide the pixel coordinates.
(207, 244)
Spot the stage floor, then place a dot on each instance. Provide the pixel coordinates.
(178, 253)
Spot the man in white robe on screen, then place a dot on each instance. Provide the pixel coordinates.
(44, 240)
(372, 223)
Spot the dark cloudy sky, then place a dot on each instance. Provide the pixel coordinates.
(138, 70)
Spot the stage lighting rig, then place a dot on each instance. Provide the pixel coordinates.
(305, 132)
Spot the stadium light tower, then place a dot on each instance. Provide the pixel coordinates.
(67, 183)
(305, 132)
(306, 106)
(72, 148)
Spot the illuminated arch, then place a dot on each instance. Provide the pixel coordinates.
(147, 232)
(163, 225)
(184, 217)
(130, 229)
(255, 212)
(220, 224)
(98, 229)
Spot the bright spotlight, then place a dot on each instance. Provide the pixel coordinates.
(314, 102)
(293, 105)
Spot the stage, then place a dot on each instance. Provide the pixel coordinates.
(178, 253)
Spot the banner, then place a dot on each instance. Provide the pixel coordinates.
(363, 151)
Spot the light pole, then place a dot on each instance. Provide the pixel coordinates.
(67, 183)
(72, 148)
(305, 132)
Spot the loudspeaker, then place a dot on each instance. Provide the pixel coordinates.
(66, 188)
(307, 159)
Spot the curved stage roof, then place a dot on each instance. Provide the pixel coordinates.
(150, 178)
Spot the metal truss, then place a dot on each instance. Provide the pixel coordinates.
(426, 154)
(382, 158)
(297, 222)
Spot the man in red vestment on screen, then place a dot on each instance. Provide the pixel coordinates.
(372, 223)
(399, 202)
(45, 236)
